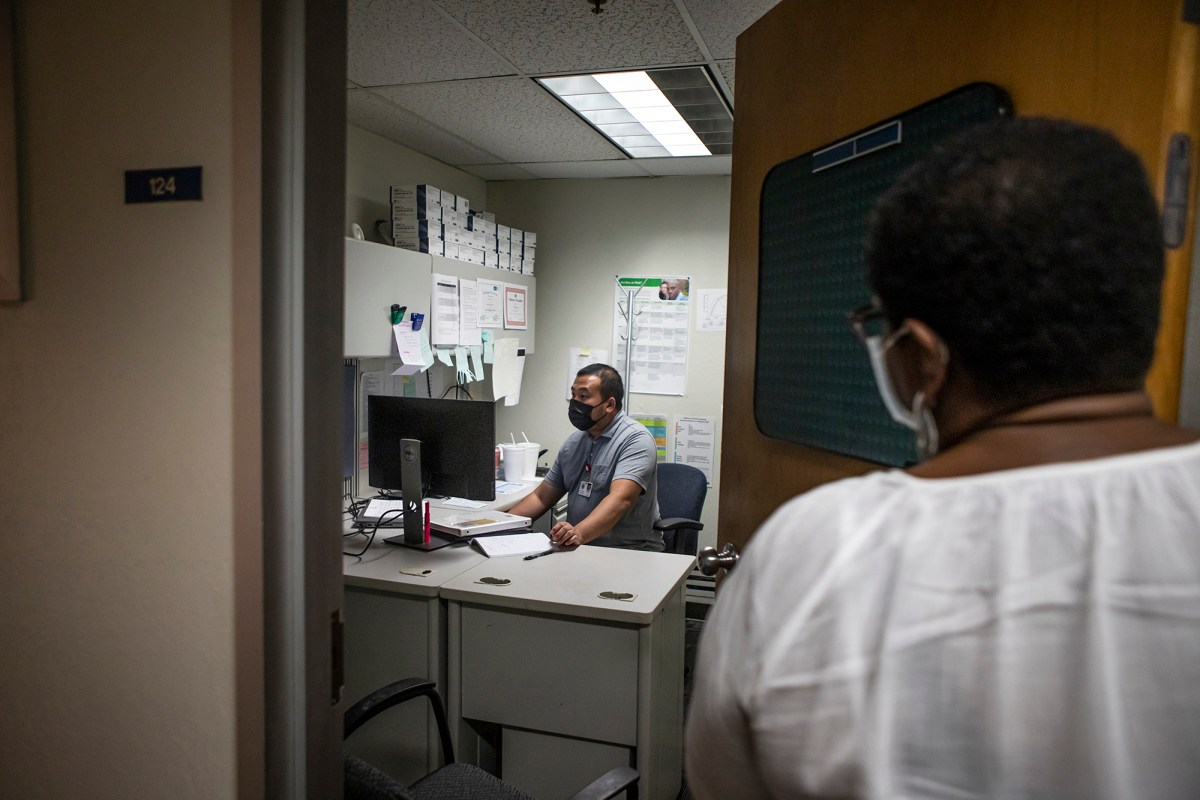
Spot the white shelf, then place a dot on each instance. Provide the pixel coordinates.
(379, 275)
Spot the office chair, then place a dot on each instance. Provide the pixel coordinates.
(681, 491)
(454, 780)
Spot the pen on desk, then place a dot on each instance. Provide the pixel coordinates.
(426, 522)
(539, 555)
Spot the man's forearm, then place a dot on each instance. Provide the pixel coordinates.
(537, 502)
(529, 506)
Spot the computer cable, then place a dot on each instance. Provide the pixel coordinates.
(353, 507)
(395, 512)
(366, 547)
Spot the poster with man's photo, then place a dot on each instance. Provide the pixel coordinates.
(653, 311)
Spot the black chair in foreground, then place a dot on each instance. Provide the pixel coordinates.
(453, 781)
(681, 491)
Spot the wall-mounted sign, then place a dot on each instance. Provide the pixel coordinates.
(162, 185)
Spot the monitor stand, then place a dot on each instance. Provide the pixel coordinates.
(416, 527)
(434, 543)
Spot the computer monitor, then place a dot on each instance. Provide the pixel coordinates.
(458, 444)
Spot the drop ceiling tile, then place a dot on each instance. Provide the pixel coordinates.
(727, 71)
(512, 118)
(412, 42)
(367, 110)
(721, 21)
(498, 172)
(542, 36)
(701, 165)
(616, 168)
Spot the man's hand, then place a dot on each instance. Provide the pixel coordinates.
(621, 497)
(564, 534)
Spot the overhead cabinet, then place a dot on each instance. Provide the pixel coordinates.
(378, 276)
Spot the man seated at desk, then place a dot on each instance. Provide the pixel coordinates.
(608, 470)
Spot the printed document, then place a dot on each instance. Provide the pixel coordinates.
(516, 544)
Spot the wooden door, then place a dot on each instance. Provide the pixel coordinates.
(813, 71)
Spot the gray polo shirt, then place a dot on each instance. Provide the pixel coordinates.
(625, 450)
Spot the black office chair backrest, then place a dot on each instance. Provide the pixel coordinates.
(681, 492)
(454, 781)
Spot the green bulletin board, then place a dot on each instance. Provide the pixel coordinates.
(812, 380)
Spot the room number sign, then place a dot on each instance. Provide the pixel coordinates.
(162, 185)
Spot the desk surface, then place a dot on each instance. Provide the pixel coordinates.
(570, 583)
(380, 567)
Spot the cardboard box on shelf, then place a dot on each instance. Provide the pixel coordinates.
(482, 225)
(470, 255)
(430, 214)
(417, 197)
(457, 219)
(452, 233)
(416, 229)
(435, 247)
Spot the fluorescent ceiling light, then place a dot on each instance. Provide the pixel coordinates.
(635, 113)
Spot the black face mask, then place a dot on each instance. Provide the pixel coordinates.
(580, 414)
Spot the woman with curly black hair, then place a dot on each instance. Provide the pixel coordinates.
(1018, 615)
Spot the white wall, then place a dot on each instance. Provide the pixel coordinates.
(373, 164)
(588, 232)
(119, 377)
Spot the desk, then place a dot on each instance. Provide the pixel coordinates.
(396, 628)
(565, 684)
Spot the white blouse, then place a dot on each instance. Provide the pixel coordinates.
(1031, 633)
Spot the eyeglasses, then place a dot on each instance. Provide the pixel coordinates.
(868, 322)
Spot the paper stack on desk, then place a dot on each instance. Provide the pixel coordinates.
(516, 544)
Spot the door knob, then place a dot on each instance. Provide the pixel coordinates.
(711, 560)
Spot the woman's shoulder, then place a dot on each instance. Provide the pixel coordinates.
(822, 516)
(835, 494)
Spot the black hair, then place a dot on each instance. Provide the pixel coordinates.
(1032, 247)
(611, 384)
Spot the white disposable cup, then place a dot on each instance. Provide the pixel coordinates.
(531, 460)
(514, 461)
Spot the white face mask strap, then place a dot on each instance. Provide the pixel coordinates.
(876, 350)
(926, 428)
(919, 418)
